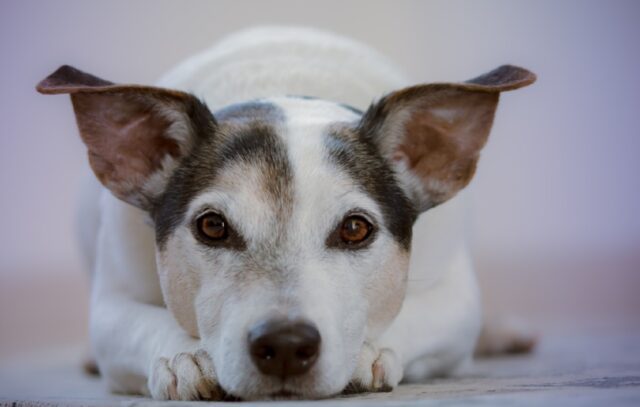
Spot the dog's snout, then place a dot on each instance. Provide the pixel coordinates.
(284, 348)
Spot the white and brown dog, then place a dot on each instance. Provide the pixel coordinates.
(253, 238)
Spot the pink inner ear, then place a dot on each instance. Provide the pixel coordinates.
(126, 138)
(400, 157)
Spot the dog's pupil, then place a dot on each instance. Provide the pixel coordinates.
(214, 226)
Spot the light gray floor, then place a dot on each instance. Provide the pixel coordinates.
(600, 369)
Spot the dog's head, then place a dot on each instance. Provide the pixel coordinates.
(283, 226)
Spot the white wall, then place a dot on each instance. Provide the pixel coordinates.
(559, 174)
(556, 188)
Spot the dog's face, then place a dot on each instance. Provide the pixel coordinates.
(285, 214)
(283, 226)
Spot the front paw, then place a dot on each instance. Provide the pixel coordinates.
(378, 370)
(187, 376)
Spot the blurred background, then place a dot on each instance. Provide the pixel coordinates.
(555, 226)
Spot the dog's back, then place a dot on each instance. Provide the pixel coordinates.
(279, 61)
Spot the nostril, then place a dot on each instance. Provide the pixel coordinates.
(306, 352)
(284, 348)
(264, 352)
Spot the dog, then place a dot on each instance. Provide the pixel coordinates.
(251, 232)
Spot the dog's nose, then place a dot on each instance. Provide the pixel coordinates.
(284, 348)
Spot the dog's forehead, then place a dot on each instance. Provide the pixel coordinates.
(275, 167)
(306, 110)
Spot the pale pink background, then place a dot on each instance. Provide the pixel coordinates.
(555, 228)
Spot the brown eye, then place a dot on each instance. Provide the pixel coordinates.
(355, 229)
(212, 226)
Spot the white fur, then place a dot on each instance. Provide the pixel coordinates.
(135, 337)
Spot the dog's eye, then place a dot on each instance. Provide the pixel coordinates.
(355, 229)
(212, 226)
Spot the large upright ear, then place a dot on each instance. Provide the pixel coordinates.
(433, 133)
(135, 135)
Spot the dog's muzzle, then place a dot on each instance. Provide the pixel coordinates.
(284, 348)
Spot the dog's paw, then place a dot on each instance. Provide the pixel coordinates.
(187, 376)
(378, 370)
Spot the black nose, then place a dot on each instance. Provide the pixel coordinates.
(284, 348)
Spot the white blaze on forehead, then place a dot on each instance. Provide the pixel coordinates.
(303, 111)
(323, 192)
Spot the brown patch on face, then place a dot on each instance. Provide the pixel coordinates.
(386, 292)
(180, 286)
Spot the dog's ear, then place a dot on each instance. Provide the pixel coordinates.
(135, 135)
(433, 133)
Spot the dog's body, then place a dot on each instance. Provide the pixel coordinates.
(171, 308)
